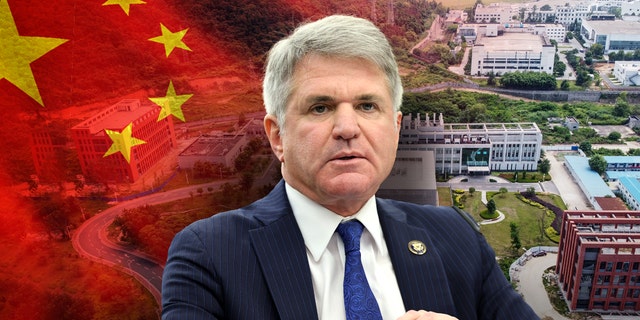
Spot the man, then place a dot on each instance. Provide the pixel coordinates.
(332, 94)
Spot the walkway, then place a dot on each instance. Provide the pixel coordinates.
(531, 286)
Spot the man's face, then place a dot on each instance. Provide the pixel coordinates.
(341, 132)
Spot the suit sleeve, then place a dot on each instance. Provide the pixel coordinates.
(189, 286)
(498, 299)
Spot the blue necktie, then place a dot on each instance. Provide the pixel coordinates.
(359, 302)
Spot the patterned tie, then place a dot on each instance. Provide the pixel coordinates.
(359, 302)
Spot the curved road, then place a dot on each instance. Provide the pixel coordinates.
(90, 239)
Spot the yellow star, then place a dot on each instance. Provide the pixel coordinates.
(171, 103)
(17, 53)
(124, 4)
(122, 142)
(171, 40)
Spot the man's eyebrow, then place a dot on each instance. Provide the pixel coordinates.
(368, 97)
(319, 99)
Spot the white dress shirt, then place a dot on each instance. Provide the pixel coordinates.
(325, 252)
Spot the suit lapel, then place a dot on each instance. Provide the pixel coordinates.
(422, 279)
(281, 253)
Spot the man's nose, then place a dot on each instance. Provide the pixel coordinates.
(345, 122)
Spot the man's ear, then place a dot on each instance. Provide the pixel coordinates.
(272, 129)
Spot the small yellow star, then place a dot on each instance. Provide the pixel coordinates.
(171, 103)
(171, 40)
(122, 142)
(124, 4)
(17, 53)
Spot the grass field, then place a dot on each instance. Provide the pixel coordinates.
(528, 219)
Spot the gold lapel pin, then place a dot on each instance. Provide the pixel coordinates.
(417, 247)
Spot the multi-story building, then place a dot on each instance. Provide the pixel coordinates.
(511, 52)
(630, 8)
(476, 148)
(612, 35)
(493, 13)
(49, 149)
(627, 72)
(567, 15)
(598, 264)
(221, 148)
(630, 191)
(92, 142)
(555, 32)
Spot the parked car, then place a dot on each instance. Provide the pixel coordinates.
(539, 253)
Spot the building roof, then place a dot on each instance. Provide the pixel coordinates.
(622, 159)
(590, 179)
(615, 27)
(513, 41)
(632, 185)
(611, 203)
(211, 146)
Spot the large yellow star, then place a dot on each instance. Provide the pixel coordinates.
(17, 53)
(122, 142)
(171, 103)
(124, 4)
(171, 40)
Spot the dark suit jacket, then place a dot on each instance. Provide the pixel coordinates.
(251, 263)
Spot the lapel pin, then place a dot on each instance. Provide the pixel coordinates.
(417, 247)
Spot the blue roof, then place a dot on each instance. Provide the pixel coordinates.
(622, 159)
(632, 185)
(590, 180)
(615, 175)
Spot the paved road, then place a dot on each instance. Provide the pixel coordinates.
(532, 288)
(90, 239)
(568, 189)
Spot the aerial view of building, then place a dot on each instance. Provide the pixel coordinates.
(511, 52)
(478, 148)
(598, 264)
(92, 142)
(627, 72)
(612, 35)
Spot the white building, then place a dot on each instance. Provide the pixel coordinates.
(627, 72)
(493, 13)
(512, 52)
(630, 190)
(456, 17)
(569, 14)
(555, 32)
(473, 148)
(613, 35)
(630, 9)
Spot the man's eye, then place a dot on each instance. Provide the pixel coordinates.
(319, 109)
(367, 106)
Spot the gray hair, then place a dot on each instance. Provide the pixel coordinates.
(333, 36)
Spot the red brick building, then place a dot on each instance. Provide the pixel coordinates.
(92, 142)
(598, 263)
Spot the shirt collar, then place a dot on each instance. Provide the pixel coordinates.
(318, 224)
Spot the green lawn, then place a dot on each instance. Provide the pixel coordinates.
(528, 219)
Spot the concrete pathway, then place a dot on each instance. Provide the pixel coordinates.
(531, 286)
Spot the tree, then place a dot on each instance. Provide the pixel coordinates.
(598, 164)
(564, 85)
(544, 166)
(614, 136)
(585, 146)
(491, 80)
(503, 191)
(491, 207)
(472, 190)
(515, 237)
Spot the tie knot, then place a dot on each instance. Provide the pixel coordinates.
(350, 232)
